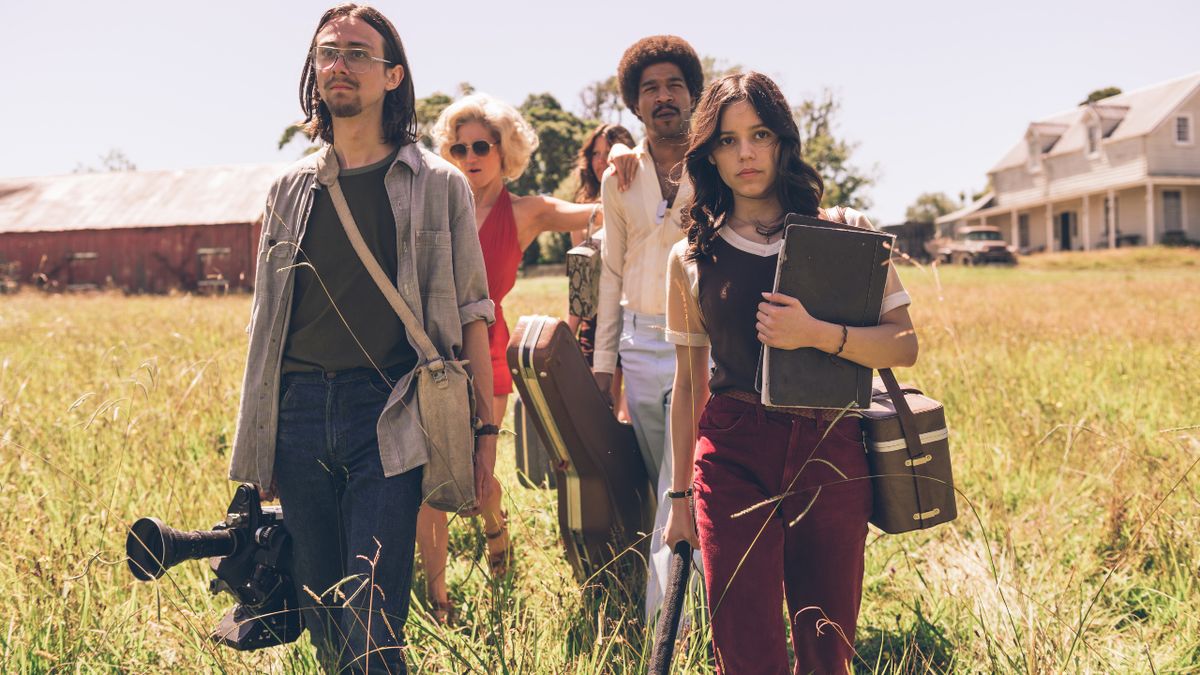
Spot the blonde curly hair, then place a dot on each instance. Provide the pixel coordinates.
(517, 139)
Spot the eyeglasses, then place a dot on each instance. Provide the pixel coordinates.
(356, 60)
(480, 148)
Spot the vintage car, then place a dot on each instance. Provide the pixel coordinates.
(973, 246)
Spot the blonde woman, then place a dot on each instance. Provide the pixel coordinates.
(491, 143)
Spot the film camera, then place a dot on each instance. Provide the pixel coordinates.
(250, 554)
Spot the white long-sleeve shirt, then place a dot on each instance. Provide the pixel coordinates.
(639, 233)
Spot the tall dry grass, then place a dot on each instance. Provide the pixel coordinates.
(1069, 383)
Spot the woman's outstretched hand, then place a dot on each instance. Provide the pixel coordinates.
(783, 323)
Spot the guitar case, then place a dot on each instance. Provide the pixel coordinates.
(605, 500)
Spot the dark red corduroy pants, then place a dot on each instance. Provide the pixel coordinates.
(745, 456)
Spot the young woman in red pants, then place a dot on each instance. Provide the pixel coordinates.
(781, 498)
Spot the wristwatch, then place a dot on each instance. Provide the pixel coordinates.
(486, 430)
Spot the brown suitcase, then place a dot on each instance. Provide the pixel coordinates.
(533, 464)
(912, 482)
(605, 500)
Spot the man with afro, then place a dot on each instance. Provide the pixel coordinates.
(661, 79)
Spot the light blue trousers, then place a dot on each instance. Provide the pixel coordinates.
(648, 367)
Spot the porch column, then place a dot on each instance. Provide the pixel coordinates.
(1087, 225)
(1049, 227)
(1150, 213)
(1016, 233)
(1112, 219)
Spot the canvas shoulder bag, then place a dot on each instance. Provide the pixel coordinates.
(445, 396)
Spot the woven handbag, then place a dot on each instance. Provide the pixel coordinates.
(583, 274)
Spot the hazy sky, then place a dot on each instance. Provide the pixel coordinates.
(933, 92)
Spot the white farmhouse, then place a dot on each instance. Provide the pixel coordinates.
(1124, 170)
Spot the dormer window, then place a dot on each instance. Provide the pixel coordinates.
(1183, 129)
(1035, 153)
(1093, 140)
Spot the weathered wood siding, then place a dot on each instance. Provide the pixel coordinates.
(137, 260)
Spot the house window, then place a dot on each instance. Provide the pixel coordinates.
(1023, 230)
(1183, 130)
(1035, 154)
(1093, 140)
(1172, 210)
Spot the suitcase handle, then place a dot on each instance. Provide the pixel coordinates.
(904, 414)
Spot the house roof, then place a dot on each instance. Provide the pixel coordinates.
(978, 205)
(125, 199)
(1136, 113)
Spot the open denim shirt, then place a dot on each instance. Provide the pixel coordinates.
(439, 273)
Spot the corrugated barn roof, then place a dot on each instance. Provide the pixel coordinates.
(103, 201)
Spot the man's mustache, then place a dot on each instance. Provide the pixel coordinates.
(664, 107)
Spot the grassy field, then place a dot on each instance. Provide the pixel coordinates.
(1070, 384)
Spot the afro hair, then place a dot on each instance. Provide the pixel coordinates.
(658, 49)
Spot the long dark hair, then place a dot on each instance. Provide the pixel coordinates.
(589, 182)
(798, 186)
(399, 105)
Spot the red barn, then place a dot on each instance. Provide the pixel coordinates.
(140, 231)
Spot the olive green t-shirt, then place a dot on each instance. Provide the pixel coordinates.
(318, 338)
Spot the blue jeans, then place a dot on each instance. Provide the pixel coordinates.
(353, 530)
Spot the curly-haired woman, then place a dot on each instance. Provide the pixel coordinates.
(781, 500)
(490, 142)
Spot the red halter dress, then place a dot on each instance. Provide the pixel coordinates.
(501, 257)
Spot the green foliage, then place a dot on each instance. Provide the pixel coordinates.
(930, 206)
(714, 68)
(845, 183)
(1100, 94)
(560, 134)
(601, 100)
(428, 110)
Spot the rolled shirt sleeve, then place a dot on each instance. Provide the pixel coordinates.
(612, 255)
(470, 276)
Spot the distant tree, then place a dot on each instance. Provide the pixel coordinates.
(845, 184)
(930, 206)
(1100, 94)
(428, 110)
(112, 161)
(560, 133)
(289, 134)
(601, 100)
(715, 68)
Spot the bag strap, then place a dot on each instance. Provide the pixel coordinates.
(411, 324)
(904, 414)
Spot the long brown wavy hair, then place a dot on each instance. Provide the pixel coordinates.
(399, 105)
(589, 183)
(798, 186)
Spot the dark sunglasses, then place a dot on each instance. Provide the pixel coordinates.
(480, 148)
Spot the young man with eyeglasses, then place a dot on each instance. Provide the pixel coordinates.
(327, 419)
(660, 78)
